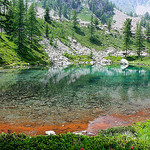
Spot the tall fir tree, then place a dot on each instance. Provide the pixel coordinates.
(74, 18)
(139, 40)
(26, 6)
(47, 31)
(96, 22)
(127, 35)
(46, 16)
(9, 26)
(65, 11)
(91, 28)
(20, 31)
(32, 25)
(147, 32)
(109, 24)
(60, 11)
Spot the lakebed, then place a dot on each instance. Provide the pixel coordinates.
(73, 99)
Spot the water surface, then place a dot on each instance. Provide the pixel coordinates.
(59, 96)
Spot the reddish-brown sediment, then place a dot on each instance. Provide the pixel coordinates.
(101, 122)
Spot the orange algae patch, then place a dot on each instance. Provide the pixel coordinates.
(33, 129)
(101, 122)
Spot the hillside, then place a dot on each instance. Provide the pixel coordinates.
(119, 18)
(132, 5)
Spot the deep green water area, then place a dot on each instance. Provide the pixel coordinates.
(59, 95)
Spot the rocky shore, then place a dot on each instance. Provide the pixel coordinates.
(56, 53)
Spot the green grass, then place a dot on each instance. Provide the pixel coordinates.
(120, 138)
(133, 60)
(137, 61)
(114, 59)
(78, 59)
(9, 54)
(85, 14)
(101, 40)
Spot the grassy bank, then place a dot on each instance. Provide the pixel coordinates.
(9, 54)
(133, 60)
(122, 138)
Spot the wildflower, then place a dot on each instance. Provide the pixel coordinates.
(126, 142)
(81, 149)
(131, 148)
(112, 149)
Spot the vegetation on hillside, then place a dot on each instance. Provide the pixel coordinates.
(121, 138)
(24, 30)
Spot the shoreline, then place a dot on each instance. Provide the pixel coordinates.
(82, 125)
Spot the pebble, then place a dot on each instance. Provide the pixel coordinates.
(50, 132)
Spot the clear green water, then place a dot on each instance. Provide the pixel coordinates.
(54, 94)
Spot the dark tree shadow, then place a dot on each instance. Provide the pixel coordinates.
(78, 31)
(26, 54)
(95, 41)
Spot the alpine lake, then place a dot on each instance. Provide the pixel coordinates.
(73, 99)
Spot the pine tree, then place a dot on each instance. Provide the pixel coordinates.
(147, 32)
(32, 24)
(91, 28)
(109, 24)
(46, 16)
(4, 5)
(20, 24)
(9, 26)
(96, 22)
(60, 11)
(139, 40)
(47, 31)
(74, 18)
(26, 6)
(127, 35)
(64, 11)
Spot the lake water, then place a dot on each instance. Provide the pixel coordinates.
(64, 96)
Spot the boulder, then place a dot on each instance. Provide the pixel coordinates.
(105, 61)
(124, 62)
(50, 132)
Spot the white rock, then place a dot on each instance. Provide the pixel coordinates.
(50, 132)
(105, 61)
(124, 62)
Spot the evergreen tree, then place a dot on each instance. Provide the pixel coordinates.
(127, 35)
(26, 6)
(3, 9)
(9, 26)
(32, 24)
(64, 11)
(147, 32)
(139, 40)
(74, 18)
(46, 16)
(91, 28)
(20, 24)
(109, 24)
(60, 11)
(96, 22)
(44, 3)
(47, 31)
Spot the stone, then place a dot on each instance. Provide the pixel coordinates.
(105, 61)
(124, 62)
(50, 132)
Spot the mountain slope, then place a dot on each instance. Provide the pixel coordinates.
(130, 5)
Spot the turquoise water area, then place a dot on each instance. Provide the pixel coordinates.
(61, 94)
